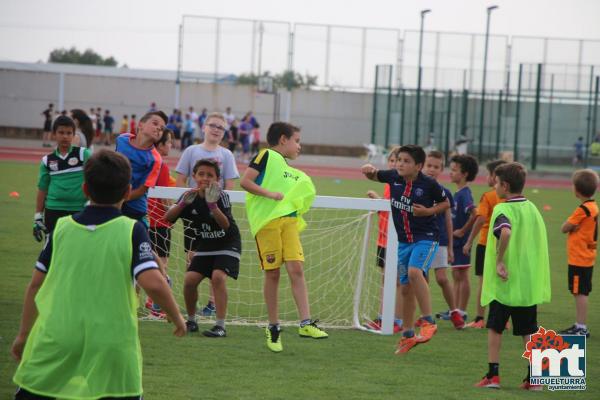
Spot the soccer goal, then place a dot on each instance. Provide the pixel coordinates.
(344, 283)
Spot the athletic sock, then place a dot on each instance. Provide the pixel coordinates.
(428, 318)
(221, 323)
(580, 326)
(304, 322)
(408, 333)
(192, 318)
(494, 370)
(398, 321)
(274, 326)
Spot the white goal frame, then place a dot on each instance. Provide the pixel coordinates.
(350, 203)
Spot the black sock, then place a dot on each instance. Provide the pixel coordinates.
(493, 369)
(528, 376)
(478, 318)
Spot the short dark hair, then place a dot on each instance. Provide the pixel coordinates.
(207, 163)
(585, 182)
(437, 154)
(159, 114)
(468, 165)
(514, 174)
(279, 129)
(166, 135)
(107, 175)
(492, 165)
(415, 152)
(63, 120)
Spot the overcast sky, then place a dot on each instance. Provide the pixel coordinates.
(143, 34)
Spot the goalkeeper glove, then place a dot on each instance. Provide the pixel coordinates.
(212, 195)
(39, 229)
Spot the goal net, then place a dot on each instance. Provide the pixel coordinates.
(340, 250)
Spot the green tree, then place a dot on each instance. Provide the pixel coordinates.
(73, 56)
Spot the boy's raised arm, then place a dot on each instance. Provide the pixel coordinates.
(370, 172)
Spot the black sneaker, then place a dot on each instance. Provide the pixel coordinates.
(574, 330)
(215, 331)
(191, 326)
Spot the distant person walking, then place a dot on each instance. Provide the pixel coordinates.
(578, 159)
(47, 113)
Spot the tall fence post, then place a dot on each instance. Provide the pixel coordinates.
(418, 106)
(594, 121)
(432, 114)
(448, 118)
(464, 112)
(518, 114)
(389, 109)
(402, 116)
(536, 118)
(499, 125)
(374, 119)
(589, 113)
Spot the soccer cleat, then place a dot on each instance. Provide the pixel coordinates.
(574, 330)
(209, 309)
(427, 331)
(191, 326)
(398, 327)
(406, 343)
(311, 330)
(445, 315)
(457, 320)
(374, 325)
(476, 324)
(274, 339)
(492, 383)
(528, 386)
(216, 332)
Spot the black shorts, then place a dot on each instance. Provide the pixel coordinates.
(381, 257)
(188, 235)
(479, 259)
(160, 237)
(524, 319)
(47, 126)
(580, 280)
(205, 265)
(51, 216)
(23, 394)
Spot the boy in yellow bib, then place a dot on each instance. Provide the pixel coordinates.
(277, 197)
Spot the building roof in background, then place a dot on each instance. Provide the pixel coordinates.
(119, 72)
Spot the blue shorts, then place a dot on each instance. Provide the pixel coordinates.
(415, 255)
(460, 260)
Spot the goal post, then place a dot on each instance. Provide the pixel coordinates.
(340, 248)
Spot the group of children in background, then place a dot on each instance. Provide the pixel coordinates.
(437, 230)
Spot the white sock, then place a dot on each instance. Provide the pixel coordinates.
(580, 326)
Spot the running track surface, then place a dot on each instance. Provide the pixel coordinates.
(34, 155)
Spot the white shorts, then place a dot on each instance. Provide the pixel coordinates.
(441, 258)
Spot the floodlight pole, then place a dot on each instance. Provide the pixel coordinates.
(420, 75)
(485, 54)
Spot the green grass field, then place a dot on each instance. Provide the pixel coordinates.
(349, 365)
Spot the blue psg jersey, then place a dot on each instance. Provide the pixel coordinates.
(463, 204)
(403, 194)
(441, 220)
